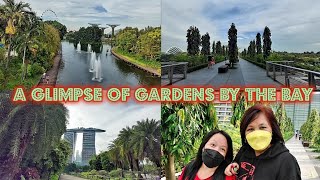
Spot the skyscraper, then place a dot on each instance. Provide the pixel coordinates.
(88, 144)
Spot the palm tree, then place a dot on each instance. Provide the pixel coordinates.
(27, 40)
(146, 141)
(124, 139)
(27, 134)
(116, 155)
(14, 13)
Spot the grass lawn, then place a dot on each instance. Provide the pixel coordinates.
(153, 64)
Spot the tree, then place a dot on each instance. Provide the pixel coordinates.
(149, 44)
(258, 43)
(179, 124)
(56, 160)
(223, 50)
(238, 109)
(27, 134)
(232, 45)
(213, 47)
(14, 13)
(307, 128)
(205, 43)
(218, 48)
(60, 27)
(193, 40)
(266, 42)
(316, 130)
(27, 41)
(285, 123)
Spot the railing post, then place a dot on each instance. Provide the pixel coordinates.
(274, 71)
(267, 68)
(311, 79)
(185, 70)
(170, 74)
(286, 78)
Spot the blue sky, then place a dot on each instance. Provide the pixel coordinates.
(294, 24)
(110, 117)
(78, 13)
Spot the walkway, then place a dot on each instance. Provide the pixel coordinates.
(68, 177)
(53, 72)
(310, 167)
(245, 74)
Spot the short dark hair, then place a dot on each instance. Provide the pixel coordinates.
(192, 168)
(252, 113)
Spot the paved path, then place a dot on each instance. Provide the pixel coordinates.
(310, 167)
(53, 72)
(68, 177)
(245, 74)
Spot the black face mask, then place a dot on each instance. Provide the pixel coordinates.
(212, 158)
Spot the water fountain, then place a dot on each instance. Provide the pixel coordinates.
(79, 47)
(97, 74)
(89, 48)
(92, 61)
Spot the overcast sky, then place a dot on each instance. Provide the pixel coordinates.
(294, 24)
(78, 13)
(110, 117)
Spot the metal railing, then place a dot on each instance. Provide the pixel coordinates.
(171, 71)
(292, 76)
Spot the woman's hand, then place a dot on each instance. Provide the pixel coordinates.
(231, 169)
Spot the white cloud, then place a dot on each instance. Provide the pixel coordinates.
(110, 117)
(76, 14)
(294, 24)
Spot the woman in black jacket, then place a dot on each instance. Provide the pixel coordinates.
(263, 155)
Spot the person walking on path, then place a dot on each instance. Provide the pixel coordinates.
(47, 79)
(43, 78)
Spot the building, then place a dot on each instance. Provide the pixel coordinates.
(298, 112)
(88, 148)
(224, 111)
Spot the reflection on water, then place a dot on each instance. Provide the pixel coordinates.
(114, 71)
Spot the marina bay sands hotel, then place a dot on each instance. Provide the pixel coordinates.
(86, 143)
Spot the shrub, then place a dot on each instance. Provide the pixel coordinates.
(36, 69)
(115, 173)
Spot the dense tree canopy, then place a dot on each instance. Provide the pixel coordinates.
(232, 44)
(193, 40)
(266, 42)
(205, 43)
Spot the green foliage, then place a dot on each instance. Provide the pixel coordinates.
(316, 129)
(60, 27)
(36, 69)
(238, 109)
(127, 39)
(115, 173)
(286, 125)
(218, 48)
(307, 128)
(234, 133)
(144, 43)
(148, 45)
(193, 40)
(2, 79)
(28, 134)
(205, 43)
(141, 46)
(213, 47)
(258, 43)
(136, 59)
(232, 44)
(266, 42)
(179, 124)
